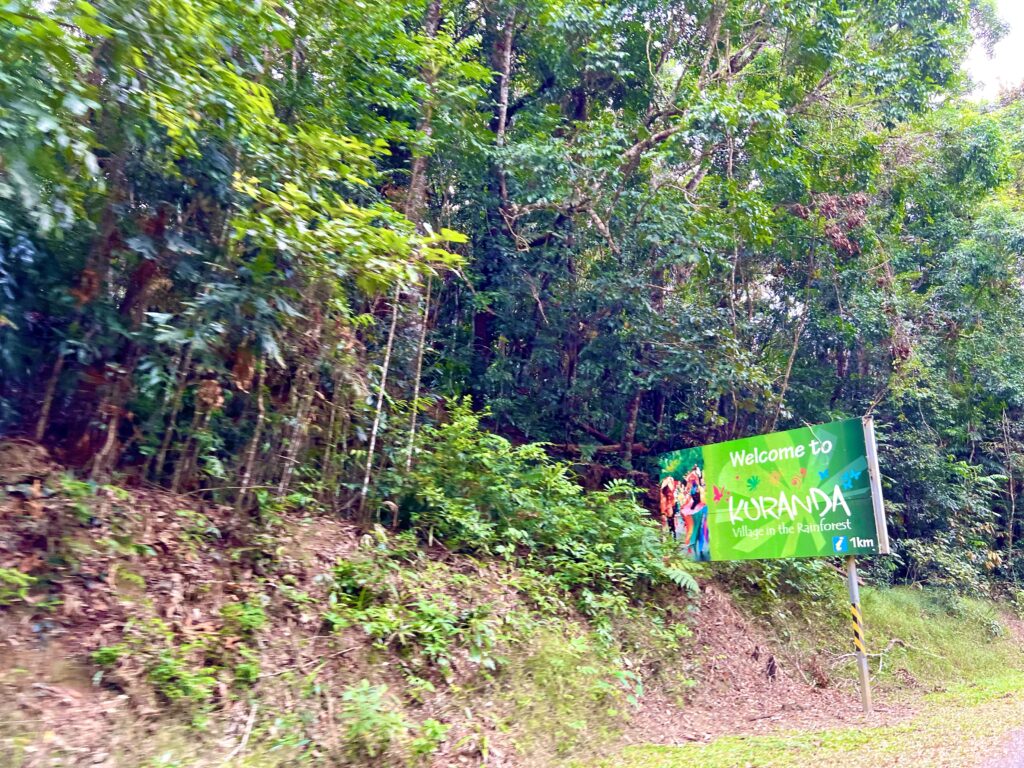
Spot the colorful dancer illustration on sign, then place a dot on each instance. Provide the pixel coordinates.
(683, 507)
(695, 515)
(669, 505)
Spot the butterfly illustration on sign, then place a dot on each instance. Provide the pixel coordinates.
(849, 477)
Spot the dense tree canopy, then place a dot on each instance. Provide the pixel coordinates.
(249, 248)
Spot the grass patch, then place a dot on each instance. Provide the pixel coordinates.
(955, 729)
(937, 637)
(928, 638)
(958, 648)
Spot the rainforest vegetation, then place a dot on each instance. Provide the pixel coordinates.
(257, 249)
(455, 272)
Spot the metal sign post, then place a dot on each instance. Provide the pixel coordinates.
(860, 650)
(875, 478)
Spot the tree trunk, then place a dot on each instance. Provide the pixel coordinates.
(51, 390)
(416, 197)
(781, 397)
(191, 462)
(299, 430)
(185, 454)
(99, 465)
(365, 490)
(257, 433)
(629, 433)
(1011, 486)
(184, 366)
(415, 211)
(503, 62)
(418, 378)
(660, 416)
(304, 390)
(330, 440)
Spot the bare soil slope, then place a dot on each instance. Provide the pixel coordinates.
(108, 559)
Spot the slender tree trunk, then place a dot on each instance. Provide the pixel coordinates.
(254, 443)
(102, 457)
(326, 468)
(346, 425)
(1011, 484)
(416, 198)
(416, 206)
(43, 422)
(184, 365)
(365, 490)
(51, 390)
(660, 416)
(418, 378)
(192, 458)
(305, 389)
(781, 397)
(299, 432)
(501, 38)
(184, 455)
(504, 66)
(629, 433)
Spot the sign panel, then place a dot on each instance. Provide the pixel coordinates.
(808, 492)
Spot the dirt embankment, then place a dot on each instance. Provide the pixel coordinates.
(109, 561)
(746, 683)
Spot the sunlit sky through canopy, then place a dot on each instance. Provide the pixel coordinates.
(1005, 69)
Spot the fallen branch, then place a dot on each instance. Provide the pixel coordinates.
(312, 663)
(245, 737)
(893, 643)
(638, 448)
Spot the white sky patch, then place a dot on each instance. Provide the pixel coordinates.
(1006, 67)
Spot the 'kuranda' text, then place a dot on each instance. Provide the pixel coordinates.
(765, 507)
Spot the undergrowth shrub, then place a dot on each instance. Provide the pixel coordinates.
(371, 728)
(177, 670)
(14, 586)
(567, 690)
(783, 590)
(245, 618)
(185, 670)
(395, 596)
(369, 725)
(477, 493)
(946, 562)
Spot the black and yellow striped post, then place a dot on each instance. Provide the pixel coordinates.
(860, 649)
(858, 628)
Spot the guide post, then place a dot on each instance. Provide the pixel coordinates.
(860, 649)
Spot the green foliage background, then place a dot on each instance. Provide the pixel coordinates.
(250, 250)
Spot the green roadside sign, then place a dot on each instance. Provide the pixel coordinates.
(808, 492)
